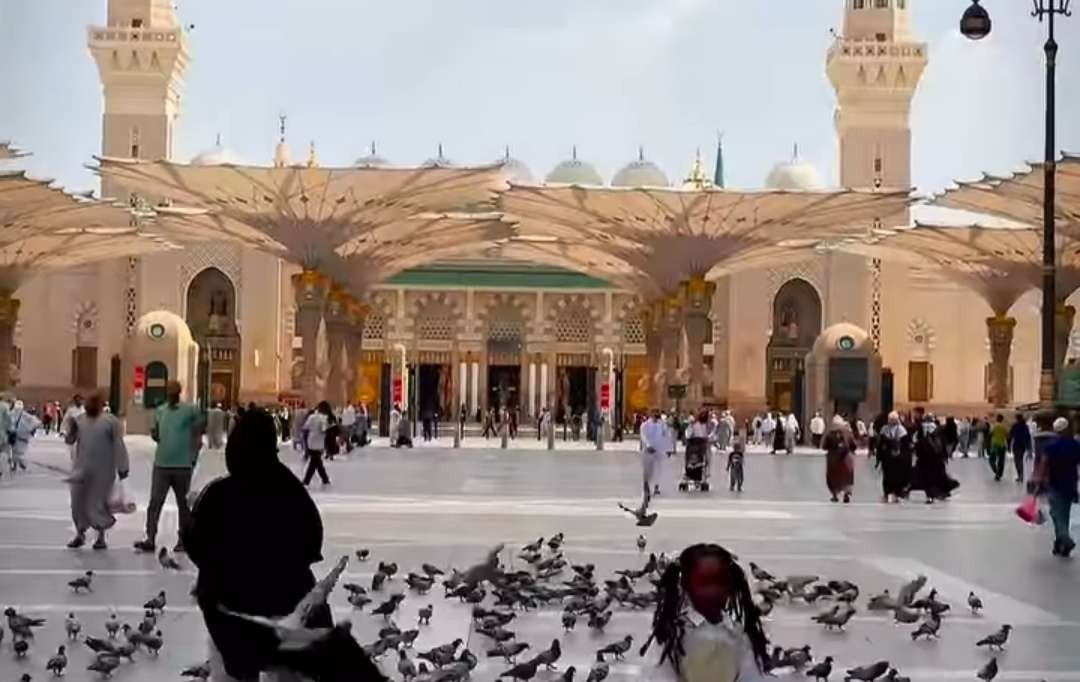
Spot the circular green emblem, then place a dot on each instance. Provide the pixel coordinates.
(156, 331)
(846, 343)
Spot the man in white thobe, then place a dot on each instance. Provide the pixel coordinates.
(348, 425)
(655, 443)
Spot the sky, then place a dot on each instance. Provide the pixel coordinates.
(476, 75)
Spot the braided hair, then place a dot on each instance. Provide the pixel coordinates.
(669, 622)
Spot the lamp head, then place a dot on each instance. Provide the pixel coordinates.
(975, 24)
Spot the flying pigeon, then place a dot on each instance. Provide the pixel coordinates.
(157, 603)
(641, 514)
(617, 649)
(555, 542)
(486, 570)
(760, 574)
(292, 629)
(974, 603)
(363, 554)
(424, 615)
(82, 582)
(821, 671)
(549, 656)
(996, 640)
(533, 547)
(72, 626)
(167, 562)
(907, 592)
(989, 671)
(867, 673)
(200, 671)
(58, 663)
(641, 542)
(598, 673)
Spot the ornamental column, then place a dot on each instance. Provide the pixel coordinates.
(651, 315)
(354, 346)
(670, 339)
(1063, 325)
(310, 288)
(696, 296)
(9, 315)
(338, 327)
(1000, 329)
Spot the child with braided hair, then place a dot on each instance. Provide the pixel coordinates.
(706, 621)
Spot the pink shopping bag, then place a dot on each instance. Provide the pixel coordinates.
(1030, 512)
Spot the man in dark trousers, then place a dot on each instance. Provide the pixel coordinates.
(1019, 444)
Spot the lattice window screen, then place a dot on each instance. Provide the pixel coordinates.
(633, 329)
(374, 326)
(435, 325)
(573, 325)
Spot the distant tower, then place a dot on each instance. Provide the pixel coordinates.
(141, 54)
(875, 66)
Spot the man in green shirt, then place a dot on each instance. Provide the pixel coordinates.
(999, 443)
(177, 430)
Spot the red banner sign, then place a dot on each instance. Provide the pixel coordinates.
(140, 377)
(605, 396)
(397, 390)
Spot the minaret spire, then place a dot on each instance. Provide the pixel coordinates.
(718, 171)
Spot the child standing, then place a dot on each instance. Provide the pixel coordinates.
(735, 463)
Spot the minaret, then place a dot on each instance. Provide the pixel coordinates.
(875, 66)
(141, 54)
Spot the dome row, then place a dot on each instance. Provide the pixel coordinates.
(795, 174)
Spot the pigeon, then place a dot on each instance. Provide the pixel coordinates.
(533, 547)
(58, 663)
(617, 649)
(153, 643)
(521, 671)
(431, 570)
(358, 599)
(419, 583)
(760, 574)
(641, 542)
(569, 620)
(20, 646)
(568, 674)
(112, 625)
(354, 588)
(905, 615)
(928, 629)
(989, 671)
(72, 626)
(377, 581)
(443, 652)
(837, 618)
(498, 634)
(598, 621)
(549, 656)
(292, 629)
(776, 659)
(907, 592)
(363, 554)
(405, 666)
(821, 671)
(996, 640)
(510, 652)
(598, 673)
(167, 562)
(104, 665)
(389, 568)
(82, 582)
(894, 676)
(641, 514)
(99, 646)
(148, 623)
(882, 602)
(126, 651)
(423, 616)
(485, 570)
(797, 583)
(766, 607)
(157, 603)
(867, 673)
(388, 607)
(22, 626)
(200, 671)
(555, 542)
(799, 658)
(974, 603)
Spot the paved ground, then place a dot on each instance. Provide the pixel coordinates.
(445, 506)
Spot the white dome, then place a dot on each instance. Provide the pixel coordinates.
(438, 161)
(574, 171)
(640, 173)
(371, 160)
(794, 175)
(516, 170)
(218, 155)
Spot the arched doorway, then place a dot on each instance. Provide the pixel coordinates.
(796, 323)
(211, 316)
(505, 340)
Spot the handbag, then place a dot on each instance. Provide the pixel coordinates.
(120, 500)
(1029, 511)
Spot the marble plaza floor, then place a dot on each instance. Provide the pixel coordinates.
(447, 507)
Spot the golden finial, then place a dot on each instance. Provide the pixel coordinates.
(697, 177)
(312, 159)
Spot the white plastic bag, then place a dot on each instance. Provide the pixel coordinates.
(120, 500)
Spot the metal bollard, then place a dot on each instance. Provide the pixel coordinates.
(551, 435)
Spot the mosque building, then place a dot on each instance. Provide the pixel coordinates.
(514, 332)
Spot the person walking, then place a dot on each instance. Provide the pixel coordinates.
(1057, 473)
(735, 464)
(348, 426)
(299, 418)
(894, 458)
(999, 443)
(930, 473)
(100, 459)
(315, 430)
(963, 436)
(177, 429)
(489, 423)
(1020, 444)
(395, 420)
(655, 443)
(768, 428)
(839, 447)
(23, 426)
(817, 430)
(5, 428)
(791, 432)
(215, 427)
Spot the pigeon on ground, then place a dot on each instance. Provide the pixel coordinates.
(20, 646)
(419, 583)
(377, 581)
(431, 570)
(760, 574)
(797, 583)
(641, 514)
(354, 588)
(153, 643)
(200, 671)
(423, 616)
(72, 626)
(358, 600)
(599, 621)
(405, 666)
(148, 623)
(929, 628)
(569, 620)
(907, 592)
(568, 674)
(99, 646)
(533, 547)
(974, 603)
(167, 562)
(485, 570)
(157, 603)
(996, 640)
(641, 542)
(510, 652)
(362, 554)
(58, 663)
(126, 651)
(522, 671)
(549, 656)
(598, 673)
(104, 665)
(292, 629)
(617, 649)
(498, 634)
(821, 671)
(388, 607)
(443, 652)
(82, 582)
(882, 602)
(837, 618)
(867, 673)
(555, 542)
(112, 625)
(894, 676)
(22, 626)
(799, 658)
(906, 615)
(989, 671)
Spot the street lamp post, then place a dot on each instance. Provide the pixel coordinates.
(976, 25)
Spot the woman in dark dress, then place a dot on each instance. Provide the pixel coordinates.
(931, 474)
(894, 459)
(839, 446)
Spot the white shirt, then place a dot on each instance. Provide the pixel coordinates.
(768, 425)
(709, 647)
(654, 436)
(348, 416)
(315, 425)
(817, 425)
(791, 424)
(699, 430)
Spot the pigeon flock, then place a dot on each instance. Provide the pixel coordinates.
(498, 596)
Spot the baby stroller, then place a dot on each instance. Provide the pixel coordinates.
(696, 470)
